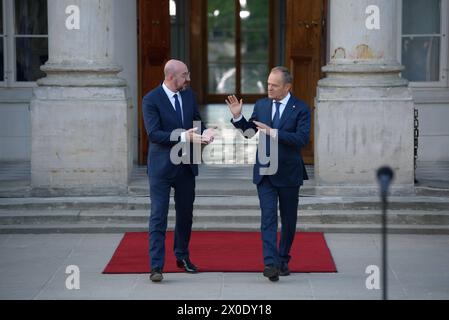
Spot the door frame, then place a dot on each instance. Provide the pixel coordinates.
(303, 57)
(197, 10)
(153, 53)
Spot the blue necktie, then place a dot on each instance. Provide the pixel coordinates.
(276, 119)
(274, 124)
(178, 108)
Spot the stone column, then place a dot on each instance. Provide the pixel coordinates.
(364, 109)
(80, 112)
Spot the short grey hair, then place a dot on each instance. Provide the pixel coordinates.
(285, 74)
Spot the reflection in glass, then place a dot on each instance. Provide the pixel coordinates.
(2, 69)
(31, 17)
(252, 60)
(172, 8)
(254, 47)
(421, 17)
(221, 46)
(254, 78)
(31, 54)
(421, 58)
(222, 78)
(1, 17)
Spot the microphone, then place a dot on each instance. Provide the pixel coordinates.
(384, 175)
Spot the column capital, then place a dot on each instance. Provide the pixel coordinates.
(362, 56)
(84, 56)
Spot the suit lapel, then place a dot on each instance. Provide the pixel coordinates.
(287, 111)
(267, 113)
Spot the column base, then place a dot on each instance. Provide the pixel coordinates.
(81, 141)
(363, 120)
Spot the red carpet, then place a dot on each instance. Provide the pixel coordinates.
(222, 252)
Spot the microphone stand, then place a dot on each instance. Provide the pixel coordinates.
(384, 249)
(385, 176)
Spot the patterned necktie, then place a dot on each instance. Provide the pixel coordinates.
(178, 108)
(276, 119)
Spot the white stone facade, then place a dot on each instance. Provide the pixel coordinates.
(85, 96)
(364, 109)
(80, 113)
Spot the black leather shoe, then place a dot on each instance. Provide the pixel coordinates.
(156, 275)
(187, 265)
(271, 272)
(284, 270)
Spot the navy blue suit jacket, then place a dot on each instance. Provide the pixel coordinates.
(160, 120)
(293, 134)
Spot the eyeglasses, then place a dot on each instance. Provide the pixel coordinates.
(185, 75)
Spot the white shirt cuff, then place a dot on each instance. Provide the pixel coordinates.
(238, 119)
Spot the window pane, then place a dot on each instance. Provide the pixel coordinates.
(173, 9)
(31, 17)
(31, 53)
(421, 16)
(254, 78)
(255, 45)
(421, 58)
(222, 78)
(255, 61)
(255, 15)
(1, 17)
(2, 69)
(221, 46)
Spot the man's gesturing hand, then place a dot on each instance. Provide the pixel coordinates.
(266, 129)
(234, 105)
(193, 137)
(209, 135)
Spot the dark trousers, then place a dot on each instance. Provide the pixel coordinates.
(184, 186)
(288, 198)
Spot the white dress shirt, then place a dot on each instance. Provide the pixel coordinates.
(170, 94)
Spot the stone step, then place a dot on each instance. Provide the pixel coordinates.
(117, 221)
(41, 217)
(245, 187)
(122, 228)
(224, 203)
(229, 187)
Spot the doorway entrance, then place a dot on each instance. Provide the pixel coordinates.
(230, 47)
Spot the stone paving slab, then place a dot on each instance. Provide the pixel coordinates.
(33, 267)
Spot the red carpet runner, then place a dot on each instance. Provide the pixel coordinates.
(222, 252)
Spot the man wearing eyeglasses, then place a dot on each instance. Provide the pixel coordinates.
(172, 107)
